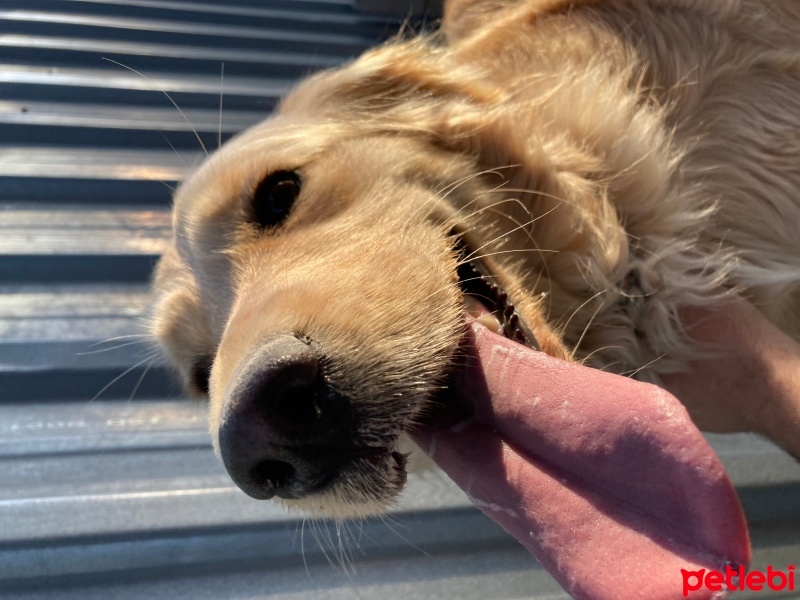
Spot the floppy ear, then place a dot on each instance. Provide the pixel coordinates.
(179, 323)
(400, 85)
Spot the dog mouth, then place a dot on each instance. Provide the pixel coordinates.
(488, 302)
(339, 463)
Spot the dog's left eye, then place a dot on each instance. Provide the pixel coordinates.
(274, 197)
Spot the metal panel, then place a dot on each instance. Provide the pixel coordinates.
(108, 485)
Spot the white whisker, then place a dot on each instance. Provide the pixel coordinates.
(121, 375)
(580, 308)
(586, 328)
(117, 347)
(647, 365)
(141, 336)
(221, 94)
(160, 89)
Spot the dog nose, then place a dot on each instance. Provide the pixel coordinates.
(279, 418)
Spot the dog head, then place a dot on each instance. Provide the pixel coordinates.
(317, 311)
(312, 287)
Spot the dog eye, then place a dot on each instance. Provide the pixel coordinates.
(274, 197)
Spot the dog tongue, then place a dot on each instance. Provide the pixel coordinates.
(604, 479)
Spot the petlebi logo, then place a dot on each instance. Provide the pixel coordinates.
(736, 579)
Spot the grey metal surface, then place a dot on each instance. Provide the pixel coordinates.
(108, 485)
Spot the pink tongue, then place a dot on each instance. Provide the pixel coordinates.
(604, 479)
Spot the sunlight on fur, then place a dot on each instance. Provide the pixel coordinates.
(609, 163)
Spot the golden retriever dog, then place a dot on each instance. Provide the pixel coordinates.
(588, 168)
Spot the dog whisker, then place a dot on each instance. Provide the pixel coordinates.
(221, 95)
(112, 348)
(178, 154)
(645, 366)
(341, 554)
(147, 359)
(449, 222)
(565, 327)
(584, 359)
(540, 193)
(541, 296)
(163, 91)
(393, 527)
(498, 238)
(610, 367)
(586, 328)
(145, 338)
(321, 532)
(529, 234)
(444, 193)
(303, 544)
(511, 251)
(141, 378)
(338, 560)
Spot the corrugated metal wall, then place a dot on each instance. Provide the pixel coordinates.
(108, 486)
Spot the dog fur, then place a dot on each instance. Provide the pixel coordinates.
(611, 162)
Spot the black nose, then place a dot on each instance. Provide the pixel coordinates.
(279, 416)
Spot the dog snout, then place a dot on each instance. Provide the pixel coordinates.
(283, 424)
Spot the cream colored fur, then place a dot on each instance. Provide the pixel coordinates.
(613, 162)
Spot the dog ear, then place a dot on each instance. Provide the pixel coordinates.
(398, 86)
(179, 323)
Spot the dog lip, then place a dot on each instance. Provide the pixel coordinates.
(476, 280)
(335, 460)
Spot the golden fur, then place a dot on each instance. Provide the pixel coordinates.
(612, 161)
